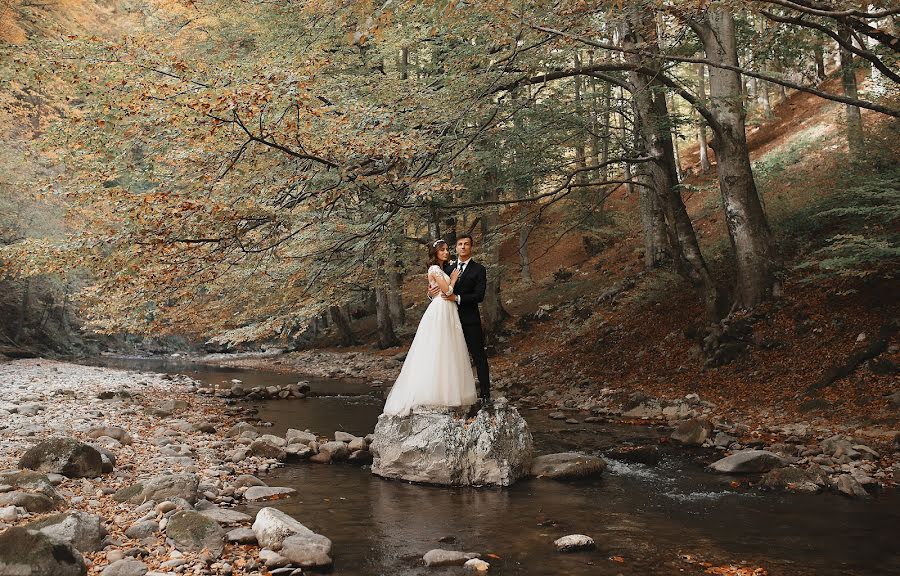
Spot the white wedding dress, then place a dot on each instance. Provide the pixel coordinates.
(437, 371)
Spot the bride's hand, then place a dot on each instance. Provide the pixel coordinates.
(454, 276)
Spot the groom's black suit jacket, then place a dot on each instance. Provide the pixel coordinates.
(470, 288)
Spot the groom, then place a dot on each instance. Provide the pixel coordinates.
(468, 293)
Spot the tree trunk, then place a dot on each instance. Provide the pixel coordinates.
(657, 249)
(651, 114)
(578, 131)
(395, 295)
(492, 312)
(524, 260)
(748, 229)
(855, 138)
(403, 63)
(386, 336)
(674, 134)
(762, 92)
(342, 323)
(701, 129)
(623, 130)
(819, 55)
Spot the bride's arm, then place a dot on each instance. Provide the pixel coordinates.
(446, 287)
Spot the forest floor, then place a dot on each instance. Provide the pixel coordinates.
(825, 353)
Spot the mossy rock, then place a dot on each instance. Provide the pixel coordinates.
(128, 493)
(66, 456)
(194, 532)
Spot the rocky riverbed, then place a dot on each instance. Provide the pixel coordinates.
(138, 474)
(797, 456)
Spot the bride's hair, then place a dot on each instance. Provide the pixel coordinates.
(433, 251)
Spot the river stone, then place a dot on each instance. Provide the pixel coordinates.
(247, 480)
(239, 429)
(142, 529)
(646, 454)
(116, 433)
(66, 456)
(276, 440)
(574, 543)
(311, 551)
(125, 567)
(299, 437)
(341, 436)
(194, 532)
(8, 514)
(438, 446)
(567, 466)
(167, 407)
(357, 444)
(160, 488)
(747, 462)
(226, 515)
(31, 502)
(360, 458)
(242, 535)
(82, 530)
(440, 557)
(338, 450)
(255, 493)
(849, 486)
(272, 526)
(789, 479)
(692, 432)
(476, 565)
(26, 553)
(266, 449)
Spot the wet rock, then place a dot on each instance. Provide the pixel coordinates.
(276, 440)
(361, 458)
(567, 466)
(194, 532)
(82, 530)
(300, 451)
(747, 462)
(27, 553)
(338, 450)
(272, 526)
(648, 455)
(849, 486)
(789, 479)
(574, 543)
(125, 567)
(438, 446)
(239, 429)
(476, 565)
(307, 550)
(692, 432)
(241, 535)
(142, 529)
(158, 488)
(439, 557)
(557, 415)
(66, 456)
(323, 457)
(257, 493)
(357, 444)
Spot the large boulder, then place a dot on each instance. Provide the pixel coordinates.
(31, 502)
(66, 456)
(272, 526)
(160, 488)
(439, 446)
(82, 530)
(567, 466)
(692, 432)
(27, 553)
(194, 532)
(440, 557)
(747, 462)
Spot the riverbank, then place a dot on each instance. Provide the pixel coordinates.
(147, 425)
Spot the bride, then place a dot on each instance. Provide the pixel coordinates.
(437, 371)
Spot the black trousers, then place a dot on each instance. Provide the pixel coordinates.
(475, 343)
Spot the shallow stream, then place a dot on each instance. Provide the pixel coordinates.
(646, 520)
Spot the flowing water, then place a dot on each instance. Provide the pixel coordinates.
(645, 520)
